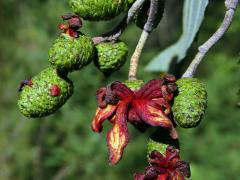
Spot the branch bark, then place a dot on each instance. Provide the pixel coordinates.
(231, 6)
(117, 31)
(148, 28)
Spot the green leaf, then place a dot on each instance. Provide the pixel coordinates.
(193, 14)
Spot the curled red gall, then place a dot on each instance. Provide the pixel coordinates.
(148, 106)
(74, 23)
(165, 166)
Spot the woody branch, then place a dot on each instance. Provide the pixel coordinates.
(231, 6)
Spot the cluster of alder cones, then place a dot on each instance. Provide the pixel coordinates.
(164, 102)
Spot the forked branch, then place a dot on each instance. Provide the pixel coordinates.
(117, 31)
(231, 6)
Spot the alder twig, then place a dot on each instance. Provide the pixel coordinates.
(148, 27)
(231, 6)
(136, 55)
(117, 31)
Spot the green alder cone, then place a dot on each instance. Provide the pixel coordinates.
(70, 54)
(190, 104)
(110, 56)
(142, 16)
(134, 85)
(160, 140)
(38, 99)
(156, 146)
(96, 10)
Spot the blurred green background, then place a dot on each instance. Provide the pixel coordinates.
(62, 146)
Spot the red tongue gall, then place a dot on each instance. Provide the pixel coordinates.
(54, 90)
(148, 106)
(25, 83)
(165, 166)
(74, 23)
(63, 27)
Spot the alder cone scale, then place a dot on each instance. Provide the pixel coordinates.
(110, 56)
(96, 10)
(160, 140)
(47, 93)
(190, 104)
(134, 85)
(70, 53)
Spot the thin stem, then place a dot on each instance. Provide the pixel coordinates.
(204, 48)
(148, 28)
(117, 31)
(136, 55)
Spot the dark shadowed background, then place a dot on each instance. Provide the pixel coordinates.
(62, 146)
